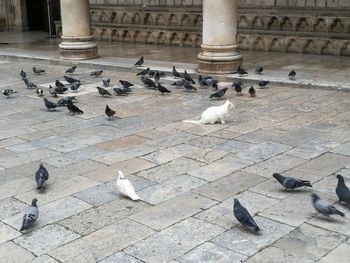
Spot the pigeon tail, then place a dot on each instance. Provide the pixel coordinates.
(306, 183)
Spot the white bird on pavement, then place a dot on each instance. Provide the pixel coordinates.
(125, 187)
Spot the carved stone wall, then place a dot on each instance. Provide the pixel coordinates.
(300, 26)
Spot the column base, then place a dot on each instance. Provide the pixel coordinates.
(78, 48)
(219, 59)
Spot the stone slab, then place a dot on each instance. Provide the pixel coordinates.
(7, 233)
(11, 252)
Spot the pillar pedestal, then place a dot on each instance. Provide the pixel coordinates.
(77, 39)
(219, 51)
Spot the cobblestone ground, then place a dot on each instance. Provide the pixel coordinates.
(186, 175)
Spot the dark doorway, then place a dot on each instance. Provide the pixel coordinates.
(36, 14)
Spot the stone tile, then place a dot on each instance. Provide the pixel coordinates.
(171, 169)
(207, 141)
(257, 136)
(102, 243)
(298, 136)
(45, 239)
(263, 151)
(43, 259)
(339, 254)
(99, 217)
(276, 164)
(170, 188)
(242, 241)
(123, 154)
(15, 187)
(116, 144)
(10, 252)
(172, 140)
(10, 206)
(206, 129)
(225, 134)
(51, 212)
(107, 192)
(343, 149)
(7, 233)
(120, 257)
(173, 241)
(312, 148)
(212, 253)
(277, 255)
(325, 164)
(75, 156)
(109, 173)
(220, 168)
(172, 211)
(57, 189)
(250, 126)
(229, 186)
(233, 146)
(222, 214)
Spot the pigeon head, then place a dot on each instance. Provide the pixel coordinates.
(315, 197)
(34, 201)
(121, 175)
(236, 202)
(276, 175)
(340, 177)
(41, 165)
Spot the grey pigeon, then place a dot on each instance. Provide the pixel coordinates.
(148, 82)
(71, 69)
(23, 74)
(263, 83)
(188, 78)
(96, 73)
(188, 86)
(106, 81)
(120, 91)
(342, 191)
(126, 84)
(71, 80)
(8, 92)
(64, 100)
(29, 84)
(109, 112)
(243, 216)
(162, 89)
(219, 93)
(252, 91)
(41, 176)
(139, 62)
(75, 86)
(31, 214)
(143, 72)
(103, 91)
(50, 105)
(60, 87)
(175, 73)
(178, 83)
(323, 207)
(52, 92)
(38, 71)
(73, 109)
(157, 76)
(39, 92)
(292, 74)
(290, 182)
(259, 70)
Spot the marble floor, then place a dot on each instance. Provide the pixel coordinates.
(186, 175)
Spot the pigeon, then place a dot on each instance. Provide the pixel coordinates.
(188, 78)
(39, 92)
(126, 84)
(143, 72)
(75, 86)
(38, 71)
(23, 74)
(157, 76)
(292, 74)
(71, 69)
(148, 82)
(238, 87)
(71, 80)
(139, 62)
(219, 93)
(252, 91)
(259, 70)
(72, 108)
(64, 100)
(103, 92)
(120, 91)
(342, 191)
(96, 73)
(323, 207)
(8, 92)
(52, 91)
(188, 86)
(125, 187)
(200, 81)
(290, 182)
(109, 112)
(29, 84)
(162, 89)
(179, 83)
(263, 83)
(106, 81)
(241, 71)
(243, 216)
(50, 105)
(41, 176)
(215, 84)
(60, 87)
(175, 73)
(31, 214)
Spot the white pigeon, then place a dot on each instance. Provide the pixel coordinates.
(125, 187)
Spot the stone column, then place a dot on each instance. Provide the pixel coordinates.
(76, 32)
(219, 51)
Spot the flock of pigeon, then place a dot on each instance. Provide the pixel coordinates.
(186, 81)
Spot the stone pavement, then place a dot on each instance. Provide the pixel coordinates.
(186, 175)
